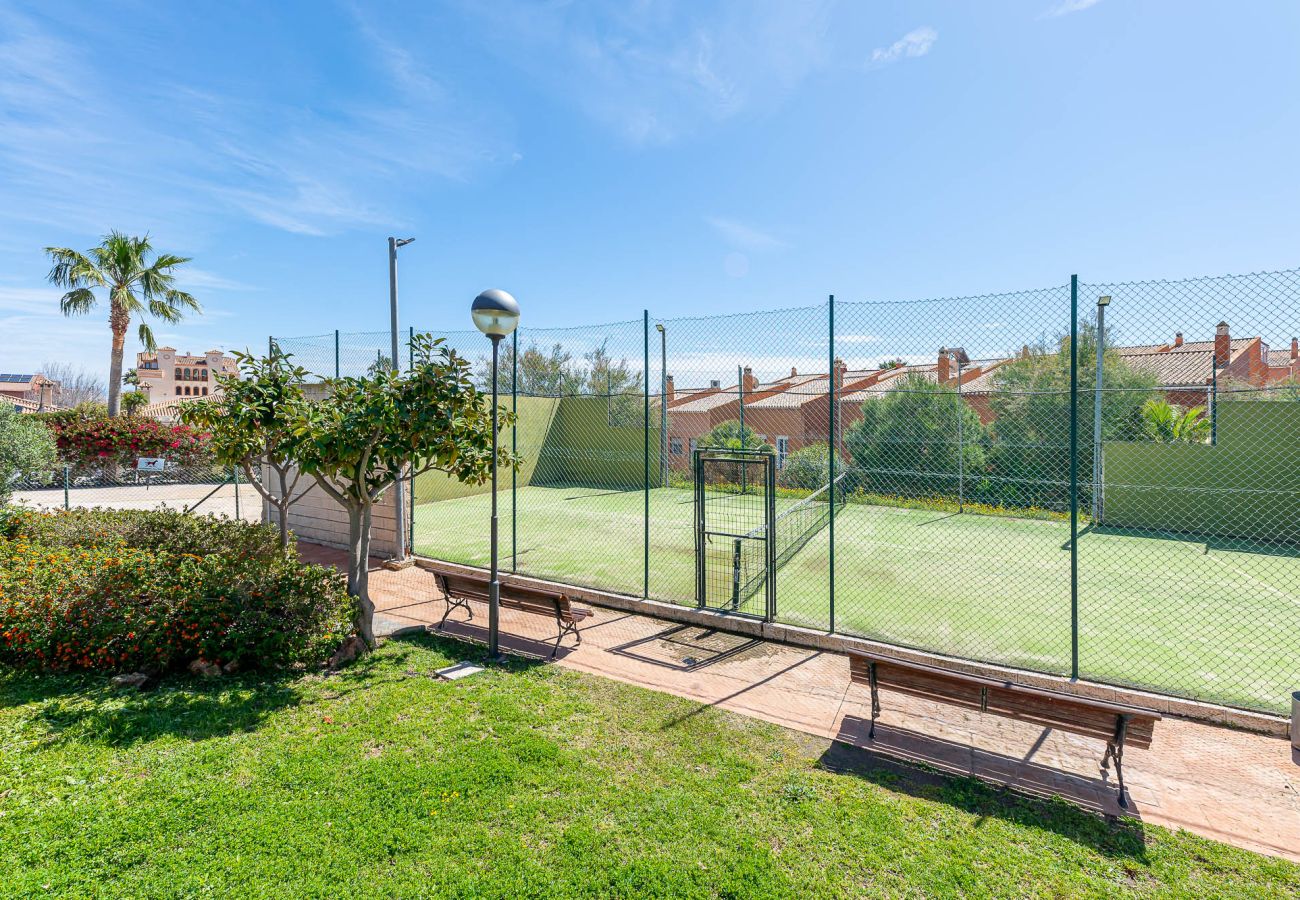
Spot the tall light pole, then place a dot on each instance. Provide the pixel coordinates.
(663, 403)
(1102, 303)
(399, 495)
(496, 314)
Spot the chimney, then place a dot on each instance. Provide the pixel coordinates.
(1222, 345)
(1024, 351)
(750, 382)
(944, 366)
(1178, 340)
(840, 369)
(1295, 349)
(793, 371)
(670, 392)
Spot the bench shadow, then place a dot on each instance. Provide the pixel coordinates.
(987, 785)
(685, 648)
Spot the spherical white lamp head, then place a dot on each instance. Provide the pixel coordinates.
(495, 313)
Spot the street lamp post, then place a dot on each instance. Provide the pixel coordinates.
(399, 504)
(496, 314)
(663, 403)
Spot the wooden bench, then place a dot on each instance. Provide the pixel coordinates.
(458, 590)
(1116, 724)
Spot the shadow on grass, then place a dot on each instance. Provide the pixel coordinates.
(87, 708)
(1113, 837)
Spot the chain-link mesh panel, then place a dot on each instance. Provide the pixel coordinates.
(946, 428)
(1189, 574)
(756, 382)
(201, 489)
(575, 511)
(953, 422)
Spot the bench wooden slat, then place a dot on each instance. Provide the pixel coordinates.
(1117, 724)
(533, 600)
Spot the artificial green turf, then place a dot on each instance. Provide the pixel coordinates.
(1216, 622)
(533, 781)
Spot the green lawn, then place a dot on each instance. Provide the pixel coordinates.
(1220, 623)
(532, 781)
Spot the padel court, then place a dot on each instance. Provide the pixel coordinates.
(1155, 611)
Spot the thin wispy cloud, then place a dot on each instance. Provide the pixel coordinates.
(742, 236)
(656, 72)
(1065, 7)
(911, 45)
(81, 155)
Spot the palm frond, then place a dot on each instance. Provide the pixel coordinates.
(77, 302)
(71, 269)
(183, 302)
(146, 337)
(160, 310)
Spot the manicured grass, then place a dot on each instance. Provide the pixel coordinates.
(533, 781)
(1214, 622)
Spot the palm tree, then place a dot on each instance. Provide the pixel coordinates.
(136, 285)
(1166, 423)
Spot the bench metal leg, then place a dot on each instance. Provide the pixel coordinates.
(565, 628)
(1115, 751)
(452, 603)
(875, 701)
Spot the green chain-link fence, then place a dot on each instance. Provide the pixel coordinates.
(1098, 480)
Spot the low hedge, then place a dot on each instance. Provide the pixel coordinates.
(153, 591)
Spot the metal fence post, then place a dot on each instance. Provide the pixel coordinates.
(740, 394)
(1100, 350)
(410, 519)
(237, 492)
(645, 482)
(832, 403)
(67, 479)
(1074, 476)
(514, 449)
(961, 448)
(336, 353)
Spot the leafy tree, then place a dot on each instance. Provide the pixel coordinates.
(542, 373)
(137, 282)
(1166, 423)
(729, 436)
(250, 424)
(905, 442)
(26, 449)
(895, 363)
(1031, 433)
(620, 385)
(133, 401)
(808, 468)
(356, 441)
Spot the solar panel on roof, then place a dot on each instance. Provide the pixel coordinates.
(15, 378)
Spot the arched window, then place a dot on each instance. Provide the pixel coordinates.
(203, 373)
(178, 374)
(205, 392)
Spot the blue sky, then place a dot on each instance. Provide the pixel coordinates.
(600, 158)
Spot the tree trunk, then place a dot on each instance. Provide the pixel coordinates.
(284, 510)
(359, 571)
(115, 369)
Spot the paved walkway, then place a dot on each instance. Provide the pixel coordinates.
(1236, 787)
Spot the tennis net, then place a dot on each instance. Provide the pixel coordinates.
(793, 529)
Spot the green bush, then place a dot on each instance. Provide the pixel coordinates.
(26, 449)
(808, 468)
(153, 591)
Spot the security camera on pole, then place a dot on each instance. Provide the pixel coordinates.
(496, 314)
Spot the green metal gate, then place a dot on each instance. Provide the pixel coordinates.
(735, 513)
